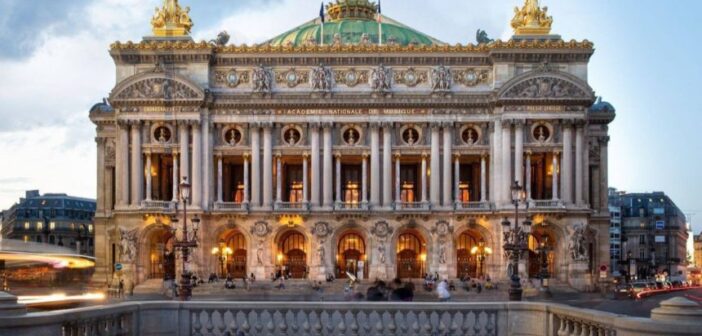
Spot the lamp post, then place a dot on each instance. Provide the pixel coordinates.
(515, 241)
(480, 252)
(543, 273)
(222, 252)
(186, 243)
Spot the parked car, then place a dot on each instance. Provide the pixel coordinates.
(622, 291)
(638, 287)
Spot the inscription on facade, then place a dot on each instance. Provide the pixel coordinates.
(351, 111)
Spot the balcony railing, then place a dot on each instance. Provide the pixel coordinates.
(158, 205)
(473, 206)
(292, 206)
(350, 206)
(546, 204)
(412, 206)
(339, 318)
(231, 206)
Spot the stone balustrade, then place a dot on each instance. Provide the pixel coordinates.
(338, 318)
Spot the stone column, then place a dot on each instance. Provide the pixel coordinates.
(196, 193)
(586, 169)
(398, 181)
(220, 192)
(375, 165)
(507, 179)
(457, 178)
(604, 173)
(176, 174)
(528, 176)
(483, 178)
(519, 152)
(387, 166)
(184, 152)
(137, 173)
(579, 154)
(554, 176)
(278, 178)
(102, 188)
(496, 169)
(435, 183)
(246, 178)
(567, 164)
(147, 170)
(337, 155)
(207, 163)
(255, 166)
(424, 178)
(364, 179)
(305, 188)
(267, 165)
(327, 184)
(122, 165)
(315, 165)
(448, 149)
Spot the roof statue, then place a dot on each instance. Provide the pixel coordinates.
(171, 20)
(358, 9)
(531, 19)
(482, 37)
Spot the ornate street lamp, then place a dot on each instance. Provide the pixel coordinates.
(187, 243)
(222, 252)
(480, 252)
(516, 241)
(543, 273)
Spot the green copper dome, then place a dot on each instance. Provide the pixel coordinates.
(352, 22)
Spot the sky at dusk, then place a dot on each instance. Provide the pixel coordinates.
(54, 65)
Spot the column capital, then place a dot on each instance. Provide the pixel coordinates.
(305, 155)
(374, 125)
(528, 152)
(337, 155)
(146, 152)
(435, 125)
(100, 140)
(278, 154)
(397, 155)
(484, 155)
(425, 155)
(246, 155)
(556, 152)
(580, 123)
(519, 123)
(219, 155)
(314, 125)
(267, 125)
(195, 124)
(183, 122)
(447, 124)
(327, 125)
(507, 123)
(567, 122)
(365, 155)
(456, 155)
(387, 124)
(603, 140)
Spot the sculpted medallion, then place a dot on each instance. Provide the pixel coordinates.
(321, 230)
(261, 229)
(381, 229)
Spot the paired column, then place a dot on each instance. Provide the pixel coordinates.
(457, 178)
(327, 170)
(176, 174)
(255, 166)
(220, 166)
(398, 182)
(448, 149)
(567, 164)
(338, 177)
(246, 177)
(137, 174)
(196, 194)
(579, 155)
(604, 172)
(528, 175)
(507, 180)
(554, 182)
(434, 193)
(267, 166)
(184, 137)
(496, 169)
(387, 165)
(147, 172)
(305, 188)
(364, 179)
(424, 178)
(316, 177)
(278, 178)
(483, 177)
(519, 152)
(122, 165)
(375, 165)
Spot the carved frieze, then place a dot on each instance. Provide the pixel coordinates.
(231, 78)
(292, 78)
(411, 77)
(158, 88)
(110, 153)
(350, 77)
(545, 87)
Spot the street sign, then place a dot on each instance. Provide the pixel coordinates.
(118, 267)
(603, 271)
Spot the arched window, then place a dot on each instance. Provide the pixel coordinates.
(292, 240)
(410, 242)
(237, 241)
(352, 241)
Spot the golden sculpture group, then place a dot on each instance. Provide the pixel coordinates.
(171, 20)
(531, 19)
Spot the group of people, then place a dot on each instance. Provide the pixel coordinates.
(229, 281)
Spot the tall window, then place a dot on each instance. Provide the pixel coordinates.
(293, 180)
(408, 180)
(351, 177)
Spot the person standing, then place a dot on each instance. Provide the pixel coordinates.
(443, 292)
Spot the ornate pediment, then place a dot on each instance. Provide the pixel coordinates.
(157, 86)
(546, 86)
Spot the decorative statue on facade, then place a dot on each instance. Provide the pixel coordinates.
(441, 79)
(482, 37)
(222, 39)
(442, 251)
(261, 80)
(321, 79)
(578, 244)
(365, 40)
(337, 40)
(381, 79)
(320, 253)
(259, 252)
(171, 20)
(381, 251)
(127, 245)
(531, 19)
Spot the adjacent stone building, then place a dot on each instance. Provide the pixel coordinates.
(654, 233)
(370, 148)
(52, 218)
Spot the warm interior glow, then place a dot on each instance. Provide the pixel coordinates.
(423, 257)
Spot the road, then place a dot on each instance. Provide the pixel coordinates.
(637, 308)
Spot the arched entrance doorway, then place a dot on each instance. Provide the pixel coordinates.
(236, 263)
(411, 255)
(161, 256)
(351, 255)
(292, 255)
(536, 238)
(467, 255)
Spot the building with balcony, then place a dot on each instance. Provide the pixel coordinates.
(654, 234)
(56, 219)
(364, 147)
